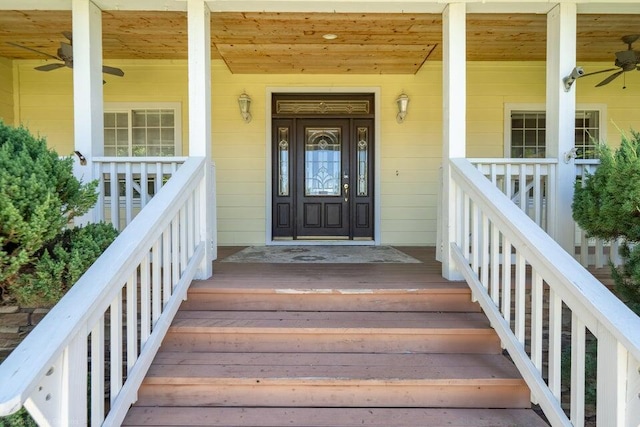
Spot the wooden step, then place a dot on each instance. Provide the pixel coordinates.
(333, 380)
(338, 296)
(331, 417)
(388, 332)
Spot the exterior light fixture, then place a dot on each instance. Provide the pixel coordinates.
(244, 101)
(329, 36)
(403, 103)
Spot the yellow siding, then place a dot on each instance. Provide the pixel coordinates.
(6, 91)
(410, 152)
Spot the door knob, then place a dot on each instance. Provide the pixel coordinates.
(346, 192)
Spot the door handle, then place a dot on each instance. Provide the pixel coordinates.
(346, 192)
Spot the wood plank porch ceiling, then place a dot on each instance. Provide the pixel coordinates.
(270, 42)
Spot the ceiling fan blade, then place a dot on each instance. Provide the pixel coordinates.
(610, 78)
(49, 67)
(65, 51)
(34, 50)
(599, 72)
(112, 70)
(68, 35)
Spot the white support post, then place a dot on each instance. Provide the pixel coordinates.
(561, 111)
(454, 98)
(87, 90)
(199, 36)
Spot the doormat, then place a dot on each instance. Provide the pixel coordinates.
(321, 254)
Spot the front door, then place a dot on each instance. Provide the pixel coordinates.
(322, 178)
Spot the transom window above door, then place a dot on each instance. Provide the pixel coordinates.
(139, 130)
(525, 131)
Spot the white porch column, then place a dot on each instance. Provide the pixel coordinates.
(561, 111)
(199, 36)
(454, 98)
(88, 120)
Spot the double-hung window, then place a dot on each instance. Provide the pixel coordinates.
(525, 128)
(142, 129)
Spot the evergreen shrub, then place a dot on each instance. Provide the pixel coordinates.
(40, 256)
(607, 206)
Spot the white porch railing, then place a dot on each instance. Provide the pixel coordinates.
(84, 362)
(536, 195)
(527, 182)
(490, 228)
(132, 182)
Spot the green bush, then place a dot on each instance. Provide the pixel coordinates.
(607, 206)
(60, 264)
(19, 419)
(39, 196)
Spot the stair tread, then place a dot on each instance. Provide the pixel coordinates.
(331, 417)
(257, 285)
(279, 321)
(419, 368)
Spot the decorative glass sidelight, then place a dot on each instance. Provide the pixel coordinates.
(363, 161)
(322, 161)
(283, 161)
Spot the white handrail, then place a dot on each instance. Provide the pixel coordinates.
(48, 372)
(592, 306)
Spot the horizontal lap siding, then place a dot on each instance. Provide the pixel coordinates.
(6, 91)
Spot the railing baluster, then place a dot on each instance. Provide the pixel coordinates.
(115, 345)
(99, 214)
(537, 195)
(578, 349)
(484, 253)
(506, 279)
(524, 199)
(495, 264)
(175, 252)
(128, 192)
(145, 301)
(466, 229)
(97, 373)
(475, 238)
(166, 266)
(537, 320)
(115, 196)
(183, 238)
(555, 344)
(156, 309)
(611, 384)
(520, 297)
(132, 321)
(144, 185)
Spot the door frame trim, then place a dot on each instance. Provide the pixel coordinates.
(270, 90)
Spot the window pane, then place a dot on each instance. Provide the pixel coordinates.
(153, 119)
(167, 118)
(139, 118)
(109, 151)
(167, 136)
(322, 168)
(122, 120)
(139, 136)
(153, 136)
(109, 137)
(122, 136)
(109, 120)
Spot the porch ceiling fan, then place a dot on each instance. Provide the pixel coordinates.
(626, 60)
(65, 55)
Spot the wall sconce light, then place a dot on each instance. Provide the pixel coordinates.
(403, 103)
(244, 101)
(575, 74)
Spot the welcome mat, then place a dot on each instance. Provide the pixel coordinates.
(321, 254)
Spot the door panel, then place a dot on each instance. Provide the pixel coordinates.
(322, 163)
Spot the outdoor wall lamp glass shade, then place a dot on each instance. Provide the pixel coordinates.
(244, 101)
(403, 103)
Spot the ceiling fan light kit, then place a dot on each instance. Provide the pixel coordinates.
(64, 54)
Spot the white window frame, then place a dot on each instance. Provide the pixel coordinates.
(121, 107)
(510, 107)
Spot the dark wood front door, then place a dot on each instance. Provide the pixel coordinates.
(322, 178)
